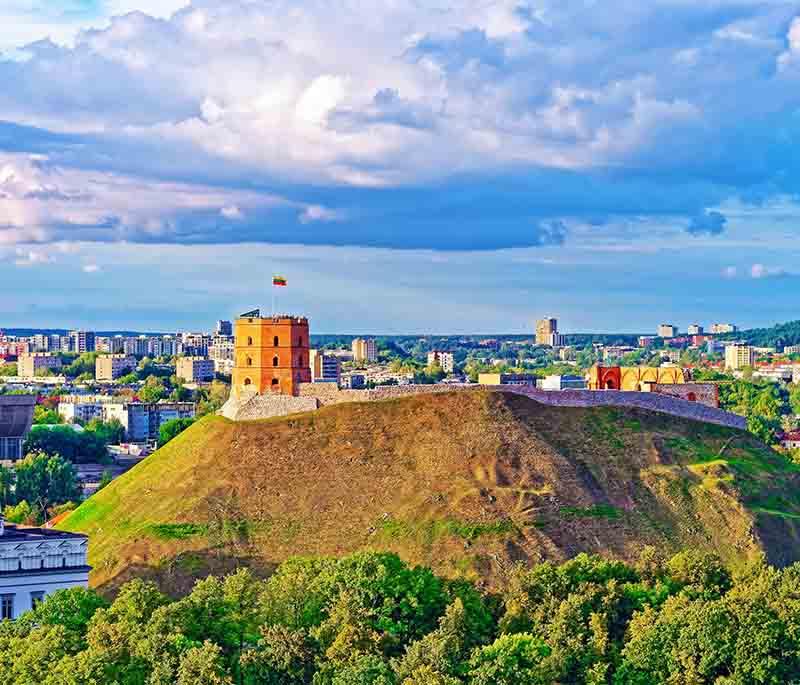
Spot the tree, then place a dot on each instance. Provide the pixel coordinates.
(8, 369)
(153, 390)
(511, 660)
(84, 365)
(110, 432)
(66, 441)
(170, 430)
(44, 416)
(203, 665)
(105, 480)
(45, 480)
(8, 476)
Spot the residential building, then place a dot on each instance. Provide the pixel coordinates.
(567, 354)
(109, 367)
(791, 349)
(194, 344)
(666, 330)
(445, 360)
(739, 355)
(35, 562)
(791, 441)
(82, 341)
(38, 364)
(143, 420)
(695, 329)
(720, 328)
(82, 410)
(271, 354)
(222, 353)
(16, 418)
(507, 379)
(563, 383)
(195, 369)
(365, 350)
(165, 346)
(224, 328)
(353, 381)
(40, 343)
(646, 340)
(325, 367)
(545, 330)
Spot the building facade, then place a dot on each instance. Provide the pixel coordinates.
(35, 562)
(82, 341)
(16, 418)
(634, 378)
(695, 329)
(364, 350)
(667, 330)
(444, 359)
(142, 420)
(545, 330)
(109, 367)
(325, 367)
(271, 354)
(223, 328)
(38, 363)
(738, 355)
(195, 369)
(507, 379)
(720, 328)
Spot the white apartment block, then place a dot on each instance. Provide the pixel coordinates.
(35, 562)
(444, 359)
(195, 369)
(695, 329)
(719, 328)
(667, 330)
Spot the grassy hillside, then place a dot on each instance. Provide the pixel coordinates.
(467, 483)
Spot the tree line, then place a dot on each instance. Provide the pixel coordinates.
(370, 619)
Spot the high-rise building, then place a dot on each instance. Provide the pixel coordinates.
(82, 341)
(739, 355)
(695, 329)
(446, 360)
(223, 328)
(325, 367)
(365, 350)
(271, 354)
(667, 330)
(545, 330)
(720, 328)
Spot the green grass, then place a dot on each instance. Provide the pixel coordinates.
(176, 531)
(605, 511)
(429, 532)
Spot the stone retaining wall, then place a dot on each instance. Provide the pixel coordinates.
(312, 397)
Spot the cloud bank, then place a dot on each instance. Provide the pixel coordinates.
(444, 125)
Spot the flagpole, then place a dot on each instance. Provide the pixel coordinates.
(273, 299)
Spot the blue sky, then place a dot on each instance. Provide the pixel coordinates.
(446, 166)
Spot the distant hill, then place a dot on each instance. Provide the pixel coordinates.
(779, 335)
(468, 483)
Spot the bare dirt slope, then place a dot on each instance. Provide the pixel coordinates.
(467, 483)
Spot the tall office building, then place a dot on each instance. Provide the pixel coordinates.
(365, 350)
(545, 328)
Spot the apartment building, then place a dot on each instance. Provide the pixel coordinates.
(720, 328)
(667, 330)
(143, 420)
(109, 367)
(38, 364)
(325, 367)
(195, 369)
(82, 341)
(365, 350)
(739, 355)
(695, 329)
(445, 360)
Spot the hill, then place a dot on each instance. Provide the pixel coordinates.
(779, 335)
(467, 483)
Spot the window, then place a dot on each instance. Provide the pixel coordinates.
(274, 361)
(300, 341)
(36, 598)
(275, 382)
(247, 381)
(249, 341)
(6, 607)
(275, 341)
(249, 361)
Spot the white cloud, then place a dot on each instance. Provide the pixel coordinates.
(90, 268)
(318, 213)
(232, 212)
(32, 257)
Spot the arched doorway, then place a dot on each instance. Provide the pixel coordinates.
(691, 397)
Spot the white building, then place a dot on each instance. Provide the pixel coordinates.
(557, 383)
(695, 329)
(195, 369)
(738, 356)
(35, 562)
(444, 359)
(667, 330)
(719, 328)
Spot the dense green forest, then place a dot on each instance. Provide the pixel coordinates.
(371, 619)
(779, 335)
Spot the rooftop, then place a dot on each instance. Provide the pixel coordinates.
(14, 533)
(16, 415)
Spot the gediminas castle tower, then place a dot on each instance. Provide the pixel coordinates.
(271, 354)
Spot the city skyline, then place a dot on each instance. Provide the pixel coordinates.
(459, 168)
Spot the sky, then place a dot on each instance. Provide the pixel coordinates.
(445, 166)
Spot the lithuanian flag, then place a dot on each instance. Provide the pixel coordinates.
(279, 281)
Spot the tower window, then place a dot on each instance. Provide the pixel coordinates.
(247, 381)
(275, 341)
(249, 341)
(300, 341)
(274, 382)
(249, 361)
(275, 361)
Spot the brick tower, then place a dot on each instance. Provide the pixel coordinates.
(271, 354)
